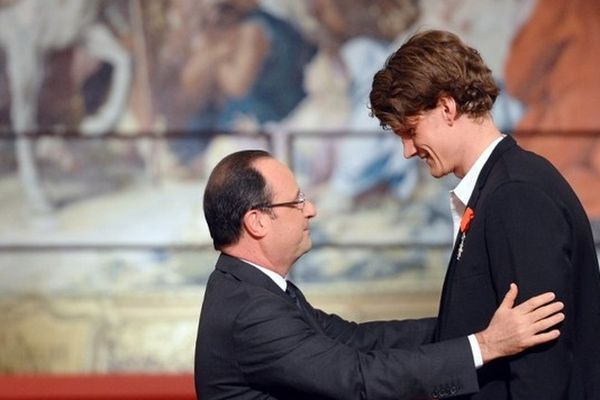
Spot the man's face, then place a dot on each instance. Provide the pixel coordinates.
(430, 139)
(289, 230)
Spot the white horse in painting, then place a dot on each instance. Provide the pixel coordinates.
(29, 29)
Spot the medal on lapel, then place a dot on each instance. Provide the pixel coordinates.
(465, 223)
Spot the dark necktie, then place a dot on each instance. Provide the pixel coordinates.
(295, 294)
(292, 291)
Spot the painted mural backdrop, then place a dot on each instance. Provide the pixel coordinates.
(113, 112)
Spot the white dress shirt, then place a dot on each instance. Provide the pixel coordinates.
(459, 197)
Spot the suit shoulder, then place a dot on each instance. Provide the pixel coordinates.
(225, 291)
(521, 163)
(523, 166)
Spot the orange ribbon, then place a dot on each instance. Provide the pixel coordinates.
(467, 217)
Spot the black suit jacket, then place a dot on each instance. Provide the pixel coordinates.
(255, 343)
(529, 228)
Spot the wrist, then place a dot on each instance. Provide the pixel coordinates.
(487, 351)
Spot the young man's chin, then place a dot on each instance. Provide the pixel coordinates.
(436, 173)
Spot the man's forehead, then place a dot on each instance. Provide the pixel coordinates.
(273, 170)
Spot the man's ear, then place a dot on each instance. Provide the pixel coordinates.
(255, 223)
(449, 109)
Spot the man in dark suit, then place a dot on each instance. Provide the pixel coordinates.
(258, 337)
(516, 218)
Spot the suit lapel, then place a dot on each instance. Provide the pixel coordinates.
(306, 309)
(505, 144)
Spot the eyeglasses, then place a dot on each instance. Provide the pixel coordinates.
(299, 203)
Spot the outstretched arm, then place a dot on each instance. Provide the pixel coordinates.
(276, 348)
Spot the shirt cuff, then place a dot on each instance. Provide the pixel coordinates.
(477, 358)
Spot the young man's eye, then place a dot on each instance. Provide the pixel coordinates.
(410, 133)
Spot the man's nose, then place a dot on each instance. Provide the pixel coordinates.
(409, 148)
(310, 210)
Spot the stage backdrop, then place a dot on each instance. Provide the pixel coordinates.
(112, 114)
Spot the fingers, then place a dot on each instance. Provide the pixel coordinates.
(547, 310)
(536, 302)
(510, 296)
(548, 322)
(544, 337)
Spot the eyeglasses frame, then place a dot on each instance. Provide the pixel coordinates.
(301, 200)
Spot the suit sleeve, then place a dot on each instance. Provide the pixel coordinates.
(277, 350)
(528, 236)
(378, 335)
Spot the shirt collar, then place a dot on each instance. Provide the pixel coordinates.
(275, 277)
(459, 196)
(465, 187)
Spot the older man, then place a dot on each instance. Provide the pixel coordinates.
(258, 337)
